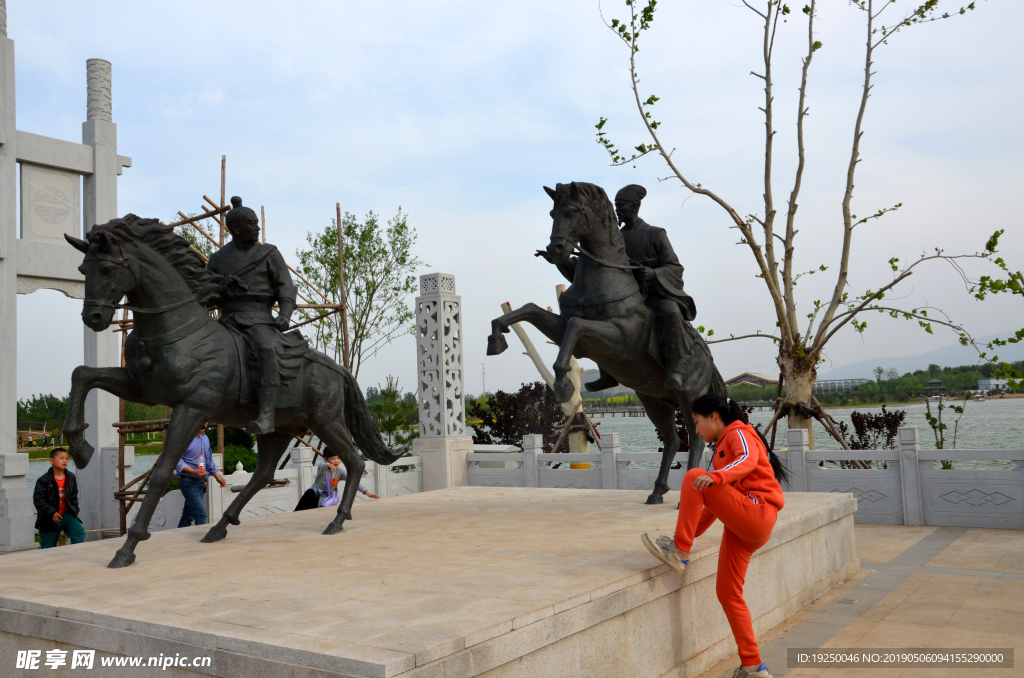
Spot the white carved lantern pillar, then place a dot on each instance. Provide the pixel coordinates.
(443, 443)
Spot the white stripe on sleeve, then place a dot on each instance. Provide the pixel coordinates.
(746, 452)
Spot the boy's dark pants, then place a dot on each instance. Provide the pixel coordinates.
(309, 500)
(72, 527)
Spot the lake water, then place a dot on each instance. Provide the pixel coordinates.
(989, 425)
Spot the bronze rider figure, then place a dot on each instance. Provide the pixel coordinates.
(661, 278)
(254, 278)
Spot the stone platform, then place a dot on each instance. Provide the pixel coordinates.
(455, 583)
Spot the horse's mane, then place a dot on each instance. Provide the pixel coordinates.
(132, 229)
(598, 199)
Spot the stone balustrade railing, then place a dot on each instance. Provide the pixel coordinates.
(912, 489)
(532, 467)
(909, 490)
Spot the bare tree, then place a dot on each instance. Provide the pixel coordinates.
(892, 373)
(773, 244)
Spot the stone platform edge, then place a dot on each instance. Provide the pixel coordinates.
(473, 655)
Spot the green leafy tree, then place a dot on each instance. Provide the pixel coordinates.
(506, 417)
(380, 271)
(939, 428)
(770, 234)
(197, 240)
(396, 414)
(42, 410)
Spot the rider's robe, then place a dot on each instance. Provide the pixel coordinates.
(254, 280)
(648, 246)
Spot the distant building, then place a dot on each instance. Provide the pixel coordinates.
(836, 385)
(752, 379)
(991, 384)
(934, 387)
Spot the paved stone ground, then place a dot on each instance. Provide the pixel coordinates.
(923, 587)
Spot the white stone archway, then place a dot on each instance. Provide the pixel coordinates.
(60, 180)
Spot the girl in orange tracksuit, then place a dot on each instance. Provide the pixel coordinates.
(744, 492)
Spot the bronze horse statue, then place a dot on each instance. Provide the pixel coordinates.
(603, 317)
(178, 356)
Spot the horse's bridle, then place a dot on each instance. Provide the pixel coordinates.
(132, 266)
(583, 252)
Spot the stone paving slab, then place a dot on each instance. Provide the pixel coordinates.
(919, 587)
(466, 580)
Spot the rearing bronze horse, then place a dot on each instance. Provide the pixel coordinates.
(603, 317)
(177, 355)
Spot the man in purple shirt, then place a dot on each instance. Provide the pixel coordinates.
(192, 469)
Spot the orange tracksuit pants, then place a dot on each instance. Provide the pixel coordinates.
(748, 525)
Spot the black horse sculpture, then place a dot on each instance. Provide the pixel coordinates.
(177, 355)
(603, 317)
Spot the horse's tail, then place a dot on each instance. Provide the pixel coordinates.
(362, 426)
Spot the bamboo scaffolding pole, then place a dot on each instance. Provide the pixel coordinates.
(312, 320)
(122, 510)
(223, 224)
(198, 217)
(200, 229)
(346, 356)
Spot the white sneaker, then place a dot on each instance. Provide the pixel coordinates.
(761, 672)
(664, 549)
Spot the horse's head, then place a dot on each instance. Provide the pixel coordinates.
(579, 208)
(109, 275)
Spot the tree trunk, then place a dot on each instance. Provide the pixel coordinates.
(798, 374)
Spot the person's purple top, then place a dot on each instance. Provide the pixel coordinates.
(199, 445)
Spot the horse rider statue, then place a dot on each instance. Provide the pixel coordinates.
(254, 278)
(660, 274)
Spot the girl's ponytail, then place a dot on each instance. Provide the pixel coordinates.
(729, 410)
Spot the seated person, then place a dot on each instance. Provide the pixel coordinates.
(56, 501)
(329, 473)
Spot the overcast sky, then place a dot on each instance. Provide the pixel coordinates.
(459, 112)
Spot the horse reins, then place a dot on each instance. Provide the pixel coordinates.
(598, 260)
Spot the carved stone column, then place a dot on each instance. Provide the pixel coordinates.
(443, 443)
(102, 349)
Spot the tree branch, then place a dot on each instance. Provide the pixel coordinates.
(773, 289)
(787, 264)
(745, 336)
(844, 260)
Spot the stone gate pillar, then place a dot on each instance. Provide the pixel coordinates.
(443, 443)
(102, 349)
(17, 515)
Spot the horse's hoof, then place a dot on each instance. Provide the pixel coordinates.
(655, 499)
(81, 452)
(496, 344)
(564, 390)
(334, 528)
(216, 533)
(122, 559)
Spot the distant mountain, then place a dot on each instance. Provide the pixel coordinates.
(950, 356)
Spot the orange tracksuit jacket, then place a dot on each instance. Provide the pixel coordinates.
(746, 497)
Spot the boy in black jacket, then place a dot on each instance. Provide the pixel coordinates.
(56, 500)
